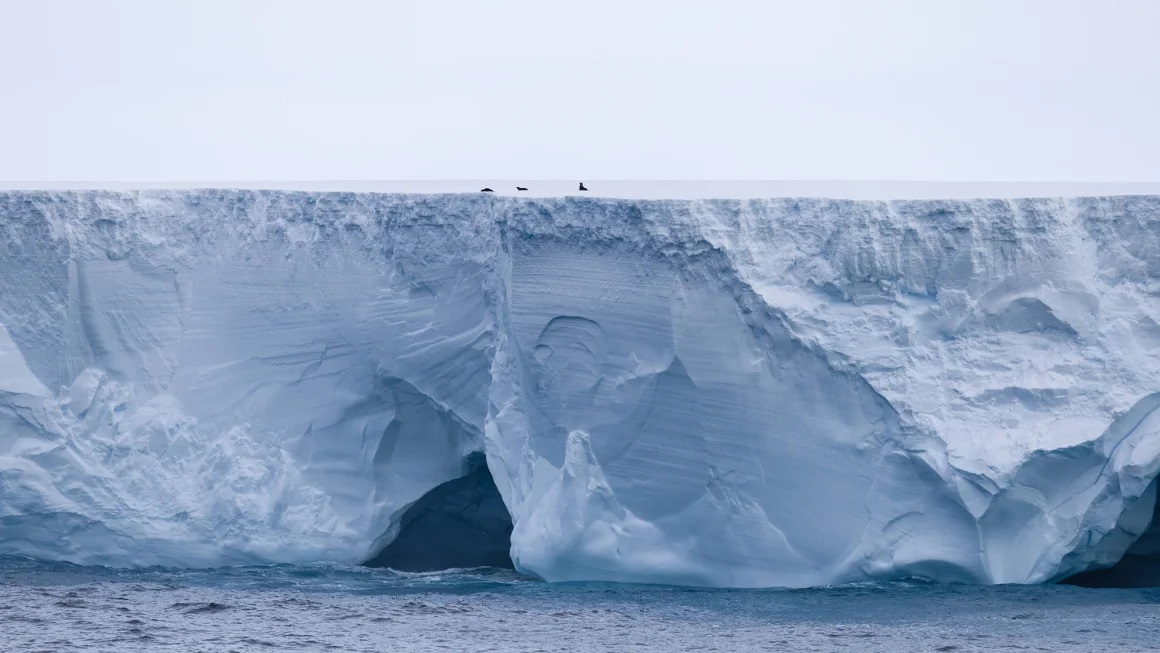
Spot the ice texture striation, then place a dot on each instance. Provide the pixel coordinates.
(709, 392)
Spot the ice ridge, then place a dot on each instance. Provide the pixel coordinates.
(784, 392)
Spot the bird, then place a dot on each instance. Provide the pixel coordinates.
(520, 188)
(487, 190)
(582, 186)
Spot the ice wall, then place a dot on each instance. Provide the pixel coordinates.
(712, 392)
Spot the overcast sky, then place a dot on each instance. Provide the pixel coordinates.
(234, 90)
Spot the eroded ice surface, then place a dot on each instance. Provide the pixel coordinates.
(711, 392)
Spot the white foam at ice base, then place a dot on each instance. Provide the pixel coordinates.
(731, 393)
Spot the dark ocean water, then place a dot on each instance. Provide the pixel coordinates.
(60, 607)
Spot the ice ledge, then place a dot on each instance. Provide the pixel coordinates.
(644, 189)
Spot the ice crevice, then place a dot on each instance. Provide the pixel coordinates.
(713, 392)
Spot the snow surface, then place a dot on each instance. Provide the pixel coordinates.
(712, 392)
(646, 189)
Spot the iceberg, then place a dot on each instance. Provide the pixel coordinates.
(734, 393)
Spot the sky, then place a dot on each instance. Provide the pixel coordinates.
(236, 90)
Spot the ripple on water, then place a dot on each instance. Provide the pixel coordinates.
(332, 607)
(200, 608)
(70, 603)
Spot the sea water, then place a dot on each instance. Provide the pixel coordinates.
(60, 607)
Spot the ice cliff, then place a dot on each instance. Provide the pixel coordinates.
(709, 392)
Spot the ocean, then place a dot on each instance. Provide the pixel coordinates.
(60, 607)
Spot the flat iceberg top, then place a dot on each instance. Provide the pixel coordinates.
(655, 189)
(727, 392)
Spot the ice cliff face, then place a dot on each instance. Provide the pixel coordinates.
(728, 393)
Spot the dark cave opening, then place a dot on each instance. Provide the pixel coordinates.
(1139, 567)
(1131, 571)
(461, 523)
